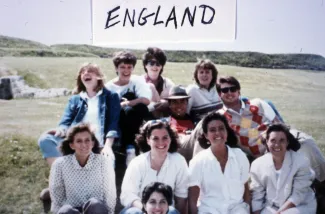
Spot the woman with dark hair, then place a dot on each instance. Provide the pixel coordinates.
(159, 162)
(204, 96)
(282, 178)
(157, 197)
(219, 174)
(154, 60)
(82, 181)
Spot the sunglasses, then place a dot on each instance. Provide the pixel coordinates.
(227, 89)
(153, 63)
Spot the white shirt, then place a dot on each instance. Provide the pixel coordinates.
(219, 191)
(136, 85)
(139, 174)
(202, 101)
(74, 185)
(92, 114)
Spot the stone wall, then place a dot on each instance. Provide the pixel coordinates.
(15, 87)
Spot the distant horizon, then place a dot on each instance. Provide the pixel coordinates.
(49, 45)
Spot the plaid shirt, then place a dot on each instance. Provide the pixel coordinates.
(252, 120)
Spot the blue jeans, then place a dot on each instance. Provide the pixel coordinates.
(49, 145)
(92, 206)
(135, 210)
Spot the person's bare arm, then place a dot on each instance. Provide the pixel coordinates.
(193, 196)
(181, 204)
(285, 206)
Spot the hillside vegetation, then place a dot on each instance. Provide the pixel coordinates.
(20, 48)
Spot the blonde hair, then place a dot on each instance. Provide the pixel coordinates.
(86, 67)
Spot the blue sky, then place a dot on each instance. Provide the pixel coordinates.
(270, 26)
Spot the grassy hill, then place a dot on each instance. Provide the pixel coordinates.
(12, 42)
(20, 48)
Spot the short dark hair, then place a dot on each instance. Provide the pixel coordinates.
(232, 140)
(65, 145)
(125, 57)
(293, 143)
(206, 64)
(162, 188)
(228, 79)
(154, 53)
(146, 130)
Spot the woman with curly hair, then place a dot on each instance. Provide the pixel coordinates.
(91, 103)
(82, 181)
(158, 162)
(219, 174)
(282, 178)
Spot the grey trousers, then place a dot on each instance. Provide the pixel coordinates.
(92, 206)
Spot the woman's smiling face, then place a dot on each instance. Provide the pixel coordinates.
(159, 141)
(277, 143)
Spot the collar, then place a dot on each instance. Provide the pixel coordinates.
(164, 165)
(88, 164)
(231, 154)
(243, 106)
(85, 96)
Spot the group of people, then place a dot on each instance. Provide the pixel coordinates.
(200, 149)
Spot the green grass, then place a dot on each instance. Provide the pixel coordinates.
(297, 94)
(23, 174)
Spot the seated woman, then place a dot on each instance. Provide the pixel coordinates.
(157, 198)
(159, 162)
(204, 95)
(82, 181)
(219, 174)
(93, 104)
(134, 95)
(281, 178)
(154, 60)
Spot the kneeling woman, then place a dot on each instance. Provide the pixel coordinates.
(159, 162)
(220, 173)
(281, 179)
(82, 181)
(157, 197)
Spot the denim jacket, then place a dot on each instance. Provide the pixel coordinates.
(109, 113)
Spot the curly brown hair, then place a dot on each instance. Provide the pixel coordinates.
(65, 145)
(146, 130)
(87, 67)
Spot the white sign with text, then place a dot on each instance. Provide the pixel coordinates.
(162, 21)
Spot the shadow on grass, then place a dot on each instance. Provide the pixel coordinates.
(23, 174)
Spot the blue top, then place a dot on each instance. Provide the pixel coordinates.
(109, 112)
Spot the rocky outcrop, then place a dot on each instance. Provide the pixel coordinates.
(15, 87)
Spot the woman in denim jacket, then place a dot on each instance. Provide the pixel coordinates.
(93, 104)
